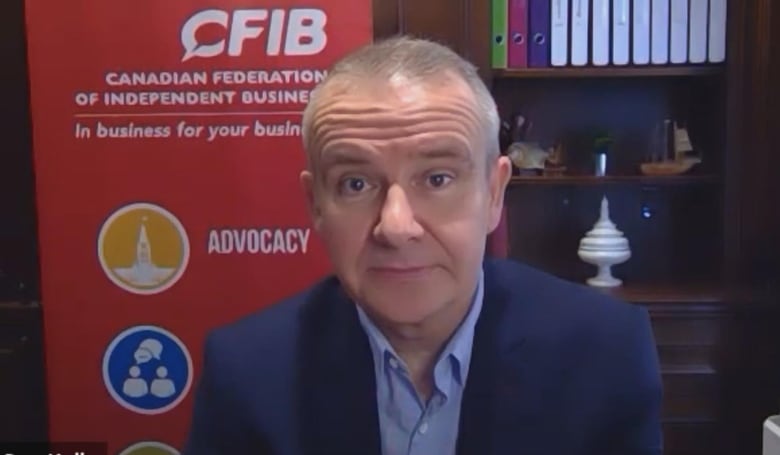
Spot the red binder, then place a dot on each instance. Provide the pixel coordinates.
(518, 33)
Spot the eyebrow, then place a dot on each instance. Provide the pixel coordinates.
(342, 156)
(438, 153)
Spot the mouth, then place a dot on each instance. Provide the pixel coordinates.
(401, 271)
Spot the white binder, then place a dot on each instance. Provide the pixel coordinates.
(600, 44)
(641, 54)
(717, 44)
(620, 29)
(770, 444)
(659, 32)
(579, 32)
(697, 36)
(559, 32)
(678, 33)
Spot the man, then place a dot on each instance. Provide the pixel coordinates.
(418, 344)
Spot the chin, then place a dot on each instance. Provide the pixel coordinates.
(404, 316)
(402, 298)
(399, 306)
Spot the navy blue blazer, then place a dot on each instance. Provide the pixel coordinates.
(557, 368)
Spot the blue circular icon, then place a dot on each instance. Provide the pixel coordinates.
(149, 448)
(147, 369)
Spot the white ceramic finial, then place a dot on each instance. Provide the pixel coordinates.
(604, 246)
(604, 209)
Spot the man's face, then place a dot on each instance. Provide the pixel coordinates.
(402, 194)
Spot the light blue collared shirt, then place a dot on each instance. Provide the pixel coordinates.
(407, 425)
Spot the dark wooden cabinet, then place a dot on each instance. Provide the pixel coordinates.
(720, 378)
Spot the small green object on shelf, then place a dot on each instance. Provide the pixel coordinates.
(602, 143)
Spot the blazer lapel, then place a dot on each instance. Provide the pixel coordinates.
(336, 381)
(498, 403)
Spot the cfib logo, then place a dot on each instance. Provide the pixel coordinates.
(293, 32)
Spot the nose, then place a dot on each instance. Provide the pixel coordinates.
(397, 223)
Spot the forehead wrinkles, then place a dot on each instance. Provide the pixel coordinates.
(380, 129)
(337, 120)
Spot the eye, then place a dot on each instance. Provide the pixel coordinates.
(439, 180)
(353, 185)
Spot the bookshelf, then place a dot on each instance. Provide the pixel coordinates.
(710, 287)
(673, 223)
(705, 244)
(569, 179)
(610, 71)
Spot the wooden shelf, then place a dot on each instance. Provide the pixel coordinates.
(703, 294)
(15, 305)
(609, 71)
(613, 179)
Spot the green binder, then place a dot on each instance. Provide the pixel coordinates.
(499, 31)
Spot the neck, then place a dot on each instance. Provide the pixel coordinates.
(426, 339)
(419, 345)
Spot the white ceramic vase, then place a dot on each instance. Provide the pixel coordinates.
(604, 246)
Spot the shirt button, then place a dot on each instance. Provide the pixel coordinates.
(393, 363)
(423, 428)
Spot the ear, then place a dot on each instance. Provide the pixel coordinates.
(307, 183)
(499, 179)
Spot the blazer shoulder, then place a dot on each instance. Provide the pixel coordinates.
(245, 391)
(556, 303)
(270, 332)
(574, 326)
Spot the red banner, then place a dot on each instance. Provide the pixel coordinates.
(167, 152)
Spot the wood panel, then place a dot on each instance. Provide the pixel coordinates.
(18, 258)
(385, 16)
(736, 63)
(752, 161)
(460, 24)
(692, 438)
(689, 339)
(773, 118)
(478, 33)
(439, 20)
(22, 390)
(692, 396)
(719, 383)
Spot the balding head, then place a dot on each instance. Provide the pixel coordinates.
(425, 64)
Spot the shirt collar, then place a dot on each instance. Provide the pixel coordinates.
(459, 345)
(457, 350)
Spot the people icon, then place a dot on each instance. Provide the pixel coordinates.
(134, 386)
(162, 387)
(144, 272)
(147, 369)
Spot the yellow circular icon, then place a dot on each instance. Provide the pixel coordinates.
(149, 448)
(143, 248)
